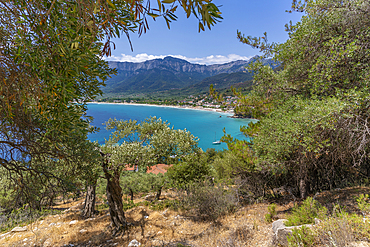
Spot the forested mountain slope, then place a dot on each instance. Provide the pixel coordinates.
(173, 73)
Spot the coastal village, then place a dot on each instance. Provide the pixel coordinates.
(204, 101)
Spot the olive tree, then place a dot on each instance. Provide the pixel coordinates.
(51, 65)
(139, 145)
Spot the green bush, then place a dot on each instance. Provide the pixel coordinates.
(271, 212)
(306, 213)
(301, 237)
(138, 182)
(194, 169)
(362, 203)
(209, 202)
(229, 165)
(338, 230)
(21, 217)
(161, 205)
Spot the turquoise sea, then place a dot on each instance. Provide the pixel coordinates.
(206, 125)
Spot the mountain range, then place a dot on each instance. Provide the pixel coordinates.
(172, 73)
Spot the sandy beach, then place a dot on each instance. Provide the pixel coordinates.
(199, 108)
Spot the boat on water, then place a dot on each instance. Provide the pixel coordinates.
(216, 142)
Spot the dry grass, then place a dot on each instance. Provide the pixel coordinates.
(246, 227)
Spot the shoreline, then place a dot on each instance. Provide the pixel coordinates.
(199, 108)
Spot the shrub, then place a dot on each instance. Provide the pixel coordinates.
(336, 231)
(229, 165)
(137, 182)
(21, 217)
(161, 205)
(194, 169)
(238, 237)
(306, 213)
(209, 202)
(271, 212)
(301, 237)
(362, 203)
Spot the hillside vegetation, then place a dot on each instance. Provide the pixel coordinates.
(307, 159)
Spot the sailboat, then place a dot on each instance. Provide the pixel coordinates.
(216, 142)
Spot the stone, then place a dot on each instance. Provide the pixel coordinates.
(47, 243)
(278, 224)
(360, 244)
(19, 229)
(134, 243)
(281, 232)
(73, 222)
(83, 230)
(4, 235)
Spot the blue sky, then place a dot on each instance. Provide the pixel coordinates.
(218, 45)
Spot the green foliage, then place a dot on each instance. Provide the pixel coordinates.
(271, 212)
(306, 213)
(228, 165)
(22, 216)
(295, 131)
(52, 65)
(147, 143)
(363, 203)
(313, 110)
(161, 205)
(194, 168)
(138, 182)
(301, 237)
(340, 230)
(102, 206)
(130, 204)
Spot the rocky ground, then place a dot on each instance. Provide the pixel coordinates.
(246, 227)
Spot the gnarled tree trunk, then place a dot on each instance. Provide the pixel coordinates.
(114, 196)
(89, 208)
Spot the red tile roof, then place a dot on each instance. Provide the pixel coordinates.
(160, 168)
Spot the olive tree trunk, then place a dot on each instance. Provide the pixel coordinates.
(89, 208)
(114, 196)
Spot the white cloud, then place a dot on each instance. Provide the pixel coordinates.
(212, 59)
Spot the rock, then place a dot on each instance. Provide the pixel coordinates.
(281, 232)
(134, 243)
(73, 222)
(83, 230)
(4, 235)
(47, 243)
(278, 224)
(359, 244)
(19, 229)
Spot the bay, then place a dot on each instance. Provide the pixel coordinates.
(206, 125)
